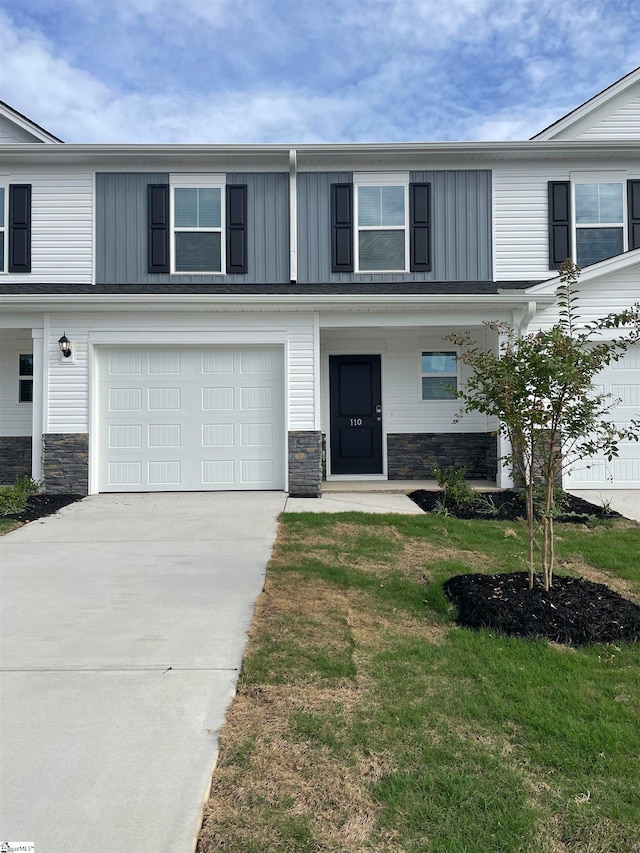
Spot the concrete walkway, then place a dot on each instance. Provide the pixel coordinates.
(355, 502)
(124, 620)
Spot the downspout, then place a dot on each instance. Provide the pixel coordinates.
(527, 317)
(293, 217)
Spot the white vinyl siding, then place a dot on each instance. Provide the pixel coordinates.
(622, 123)
(68, 384)
(61, 228)
(607, 294)
(15, 417)
(521, 218)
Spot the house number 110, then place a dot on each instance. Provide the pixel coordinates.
(356, 421)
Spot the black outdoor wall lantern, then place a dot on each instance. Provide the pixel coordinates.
(65, 346)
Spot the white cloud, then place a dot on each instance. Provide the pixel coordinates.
(379, 70)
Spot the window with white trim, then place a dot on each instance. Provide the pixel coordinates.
(381, 216)
(3, 228)
(197, 224)
(25, 381)
(438, 375)
(599, 221)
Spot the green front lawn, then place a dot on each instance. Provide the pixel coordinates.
(367, 721)
(7, 524)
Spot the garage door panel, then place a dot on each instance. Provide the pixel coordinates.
(622, 381)
(191, 419)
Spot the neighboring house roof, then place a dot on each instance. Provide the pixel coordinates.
(592, 273)
(24, 125)
(621, 98)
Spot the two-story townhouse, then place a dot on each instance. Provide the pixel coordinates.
(263, 316)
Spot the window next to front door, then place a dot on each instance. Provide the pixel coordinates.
(25, 381)
(438, 375)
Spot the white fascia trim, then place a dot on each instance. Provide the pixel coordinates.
(188, 337)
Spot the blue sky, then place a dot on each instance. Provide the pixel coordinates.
(309, 71)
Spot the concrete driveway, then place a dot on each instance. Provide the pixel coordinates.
(624, 501)
(124, 620)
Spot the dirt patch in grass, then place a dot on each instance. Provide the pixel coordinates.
(574, 611)
(272, 762)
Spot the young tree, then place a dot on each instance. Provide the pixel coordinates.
(541, 388)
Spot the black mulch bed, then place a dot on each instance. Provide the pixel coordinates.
(575, 611)
(510, 506)
(40, 505)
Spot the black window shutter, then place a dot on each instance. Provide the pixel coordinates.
(237, 228)
(341, 227)
(158, 227)
(19, 227)
(559, 223)
(633, 206)
(420, 227)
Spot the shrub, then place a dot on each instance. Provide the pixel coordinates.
(452, 482)
(13, 499)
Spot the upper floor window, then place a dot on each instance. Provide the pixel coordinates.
(592, 217)
(381, 223)
(381, 216)
(439, 375)
(599, 221)
(3, 219)
(197, 216)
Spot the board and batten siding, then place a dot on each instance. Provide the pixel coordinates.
(461, 228)
(121, 230)
(15, 417)
(68, 384)
(403, 410)
(61, 228)
(521, 223)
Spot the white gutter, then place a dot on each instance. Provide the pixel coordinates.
(293, 218)
(91, 301)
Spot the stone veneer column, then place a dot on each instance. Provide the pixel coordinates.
(65, 463)
(305, 464)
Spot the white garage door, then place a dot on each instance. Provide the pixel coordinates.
(191, 419)
(622, 381)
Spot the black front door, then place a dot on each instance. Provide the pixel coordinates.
(356, 414)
